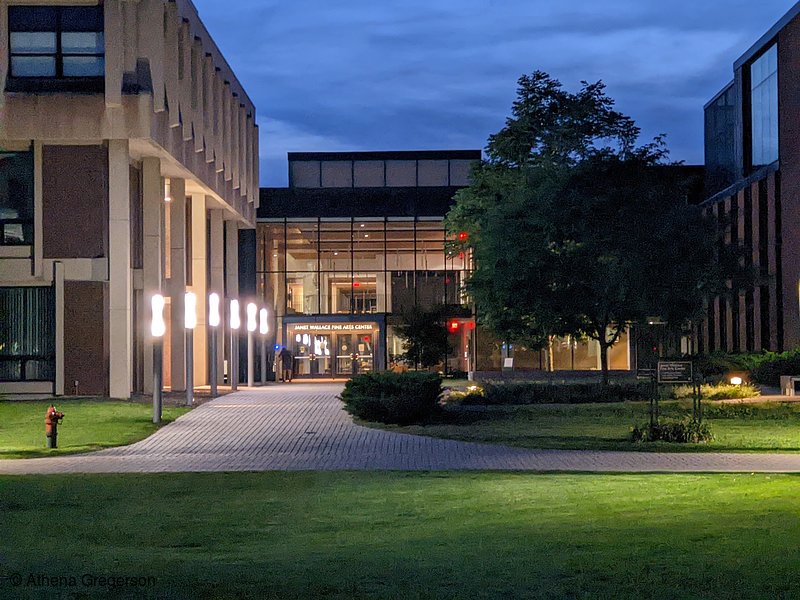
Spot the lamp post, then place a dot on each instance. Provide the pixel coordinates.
(263, 330)
(157, 329)
(214, 321)
(190, 322)
(235, 323)
(252, 325)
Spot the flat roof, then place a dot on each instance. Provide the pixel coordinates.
(388, 155)
(767, 37)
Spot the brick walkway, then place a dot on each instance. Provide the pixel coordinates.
(302, 427)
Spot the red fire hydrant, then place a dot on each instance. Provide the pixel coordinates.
(51, 422)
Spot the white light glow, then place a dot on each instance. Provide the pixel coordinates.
(252, 317)
(190, 307)
(157, 326)
(168, 191)
(736, 381)
(298, 338)
(306, 339)
(214, 318)
(263, 326)
(235, 319)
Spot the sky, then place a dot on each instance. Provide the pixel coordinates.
(358, 75)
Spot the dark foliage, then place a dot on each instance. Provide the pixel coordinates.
(520, 393)
(393, 398)
(675, 432)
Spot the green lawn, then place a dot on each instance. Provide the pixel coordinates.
(88, 425)
(399, 535)
(765, 427)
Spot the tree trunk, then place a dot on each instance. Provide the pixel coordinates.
(604, 360)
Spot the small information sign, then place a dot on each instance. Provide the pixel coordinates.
(675, 372)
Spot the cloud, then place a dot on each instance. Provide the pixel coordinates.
(360, 74)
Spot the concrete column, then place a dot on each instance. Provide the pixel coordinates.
(58, 284)
(200, 287)
(152, 208)
(120, 286)
(217, 281)
(177, 283)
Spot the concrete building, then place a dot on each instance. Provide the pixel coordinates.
(753, 178)
(128, 167)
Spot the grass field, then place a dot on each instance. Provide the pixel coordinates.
(88, 425)
(398, 535)
(762, 427)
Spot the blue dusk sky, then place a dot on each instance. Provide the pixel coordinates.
(441, 74)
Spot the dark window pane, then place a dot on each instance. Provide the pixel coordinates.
(83, 18)
(27, 334)
(764, 108)
(32, 18)
(16, 198)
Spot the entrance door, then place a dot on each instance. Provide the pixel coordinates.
(354, 354)
(345, 355)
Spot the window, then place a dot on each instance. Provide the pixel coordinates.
(16, 198)
(56, 42)
(764, 108)
(27, 334)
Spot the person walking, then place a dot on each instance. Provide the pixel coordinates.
(287, 364)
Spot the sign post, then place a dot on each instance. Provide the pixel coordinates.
(681, 372)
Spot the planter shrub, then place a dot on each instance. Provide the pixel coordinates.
(773, 365)
(721, 391)
(522, 393)
(393, 398)
(675, 432)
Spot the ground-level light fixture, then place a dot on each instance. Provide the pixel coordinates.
(252, 326)
(235, 323)
(214, 321)
(736, 381)
(157, 329)
(190, 322)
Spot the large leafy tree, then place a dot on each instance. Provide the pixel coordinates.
(577, 230)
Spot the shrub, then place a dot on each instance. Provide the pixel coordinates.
(718, 364)
(519, 393)
(721, 391)
(675, 432)
(773, 365)
(472, 396)
(393, 398)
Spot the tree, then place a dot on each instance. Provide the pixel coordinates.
(425, 334)
(577, 230)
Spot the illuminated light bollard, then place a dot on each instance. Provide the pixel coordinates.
(252, 326)
(233, 367)
(263, 329)
(214, 321)
(190, 322)
(157, 329)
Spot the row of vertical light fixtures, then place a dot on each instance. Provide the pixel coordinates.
(256, 321)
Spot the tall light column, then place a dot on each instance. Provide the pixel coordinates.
(233, 366)
(263, 330)
(214, 321)
(157, 329)
(190, 322)
(252, 325)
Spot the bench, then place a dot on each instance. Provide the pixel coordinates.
(789, 385)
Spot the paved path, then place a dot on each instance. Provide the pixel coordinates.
(302, 427)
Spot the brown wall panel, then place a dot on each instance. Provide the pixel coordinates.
(75, 201)
(85, 338)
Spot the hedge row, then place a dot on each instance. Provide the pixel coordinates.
(393, 398)
(520, 393)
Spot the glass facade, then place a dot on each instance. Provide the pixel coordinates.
(720, 141)
(764, 108)
(16, 198)
(333, 282)
(27, 334)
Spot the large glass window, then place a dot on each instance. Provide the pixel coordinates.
(358, 266)
(764, 108)
(56, 41)
(16, 198)
(27, 334)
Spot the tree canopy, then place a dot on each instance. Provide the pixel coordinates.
(577, 230)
